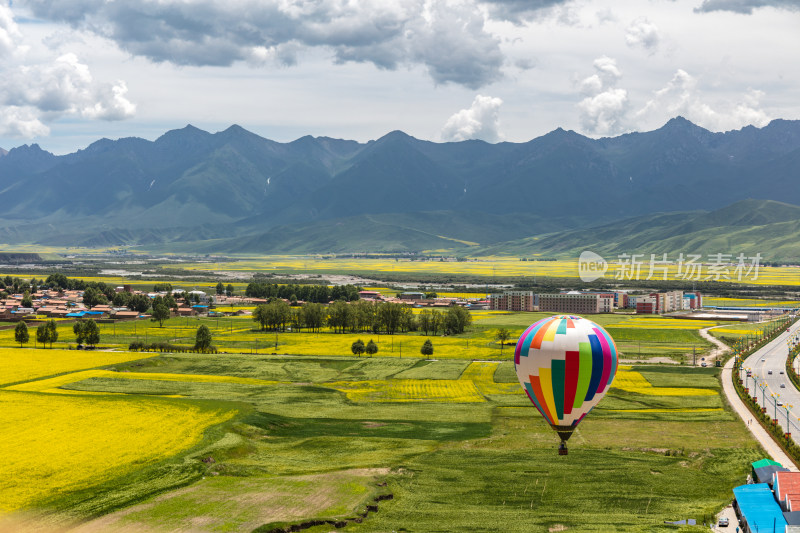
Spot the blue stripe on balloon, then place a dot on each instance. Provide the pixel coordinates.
(520, 342)
(597, 366)
(530, 334)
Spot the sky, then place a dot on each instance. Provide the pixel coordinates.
(75, 71)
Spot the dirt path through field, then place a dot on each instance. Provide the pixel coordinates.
(721, 347)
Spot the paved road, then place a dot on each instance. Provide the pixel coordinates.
(765, 439)
(771, 384)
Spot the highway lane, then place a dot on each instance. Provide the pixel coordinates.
(772, 386)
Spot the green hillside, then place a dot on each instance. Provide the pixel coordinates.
(750, 226)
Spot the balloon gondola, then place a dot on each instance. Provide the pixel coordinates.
(565, 364)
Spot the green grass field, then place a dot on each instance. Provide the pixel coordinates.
(303, 449)
(320, 433)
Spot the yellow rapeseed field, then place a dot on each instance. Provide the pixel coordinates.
(632, 381)
(476, 381)
(88, 440)
(483, 266)
(660, 323)
(676, 410)
(410, 390)
(52, 384)
(482, 375)
(462, 295)
(23, 364)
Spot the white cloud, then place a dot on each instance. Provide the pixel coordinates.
(681, 96)
(64, 87)
(10, 35)
(603, 110)
(603, 114)
(642, 33)
(36, 91)
(21, 123)
(480, 121)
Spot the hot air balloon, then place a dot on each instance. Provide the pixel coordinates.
(565, 364)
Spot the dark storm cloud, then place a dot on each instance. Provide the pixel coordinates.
(518, 10)
(448, 38)
(746, 6)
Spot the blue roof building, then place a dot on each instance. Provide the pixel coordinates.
(758, 509)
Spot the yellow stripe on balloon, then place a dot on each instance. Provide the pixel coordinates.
(552, 327)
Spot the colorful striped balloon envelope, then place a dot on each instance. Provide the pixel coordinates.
(565, 364)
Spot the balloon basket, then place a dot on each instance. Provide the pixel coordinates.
(562, 449)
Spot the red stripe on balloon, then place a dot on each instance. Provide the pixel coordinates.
(537, 389)
(571, 380)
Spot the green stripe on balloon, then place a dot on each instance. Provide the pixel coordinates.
(584, 373)
(559, 372)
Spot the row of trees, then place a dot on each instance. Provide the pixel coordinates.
(307, 293)
(277, 315)
(371, 348)
(361, 316)
(359, 348)
(46, 333)
(222, 289)
(86, 332)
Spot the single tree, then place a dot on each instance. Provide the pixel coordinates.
(93, 296)
(79, 329)
(229, 290)
(27, 301)
(339, 316)
(42, 335)
(139, 303)
(47, 332)
(202, 340)
(52, 331)
(372, 348)
(427, 348)
(91, 332)
(358, 347)
(122, 299)
(220, 288)
(21, 333)
(313, 315)
(160, 313)
(261, 315)
(502, 335)
(456, 320)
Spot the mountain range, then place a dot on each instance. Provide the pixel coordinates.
(236, 192)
